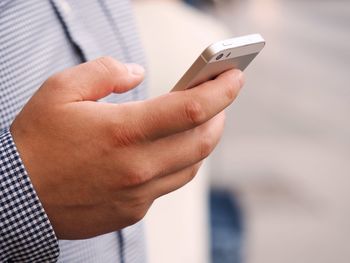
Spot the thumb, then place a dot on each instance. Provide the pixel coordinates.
(94, 80)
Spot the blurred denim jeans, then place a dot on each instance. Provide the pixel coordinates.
(226, 222)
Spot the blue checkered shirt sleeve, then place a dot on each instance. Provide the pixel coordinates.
(26, 234)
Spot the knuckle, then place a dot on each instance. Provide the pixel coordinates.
(137, 214)
(231, 90)
(109, 65)
(125, 134)
(122, 137)
(137, 207)
(192, 174)
(139, 175)
(194, 112)
(148, 172)
(206, 146)
(105, 64)
(135, 177)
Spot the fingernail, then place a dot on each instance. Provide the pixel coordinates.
(135, 69)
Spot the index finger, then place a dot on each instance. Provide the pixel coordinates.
(182, 110)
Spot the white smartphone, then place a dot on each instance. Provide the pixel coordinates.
(219, 57)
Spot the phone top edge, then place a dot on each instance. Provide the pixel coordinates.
(237, 42)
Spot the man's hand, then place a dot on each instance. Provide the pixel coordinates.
(97, 167)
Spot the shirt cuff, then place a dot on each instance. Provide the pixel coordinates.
(26, 234)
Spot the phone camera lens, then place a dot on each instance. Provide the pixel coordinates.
(219, 56)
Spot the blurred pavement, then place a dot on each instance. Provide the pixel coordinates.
(286, 149)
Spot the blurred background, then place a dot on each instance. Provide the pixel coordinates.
(277, 189)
